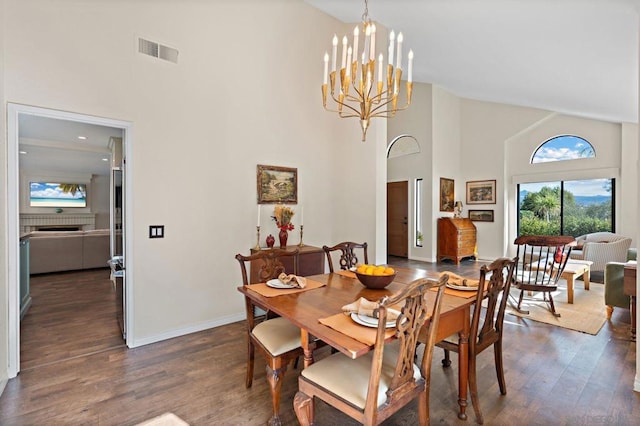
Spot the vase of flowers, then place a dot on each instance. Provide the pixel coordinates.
(282, 216)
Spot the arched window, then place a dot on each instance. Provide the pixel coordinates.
(566, 207)
(562, 148)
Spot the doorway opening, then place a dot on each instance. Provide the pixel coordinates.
(17, 198)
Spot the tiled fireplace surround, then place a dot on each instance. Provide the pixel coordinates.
(33, 222)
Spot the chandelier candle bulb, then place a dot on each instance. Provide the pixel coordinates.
(367, 41)
(392, 38)
(410, 66)
(372, 51)
(356, 33)
(344, 51)
(334, 53)
(326, 67)
(399, 52)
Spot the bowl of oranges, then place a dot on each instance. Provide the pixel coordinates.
(375, 276)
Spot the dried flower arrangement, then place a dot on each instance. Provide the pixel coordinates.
(282, 215)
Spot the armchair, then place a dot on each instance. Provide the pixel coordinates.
(601, 248)
(614, 283)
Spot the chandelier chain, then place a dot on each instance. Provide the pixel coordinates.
(365, 14)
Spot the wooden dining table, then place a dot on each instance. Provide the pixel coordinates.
(306, 308)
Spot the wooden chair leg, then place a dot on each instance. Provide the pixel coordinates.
(609, 312)
(303, 406)
(497, 353)
(446, 362)
(275, 378)
(473, 387)
(423, 407)
(553, 306)
(250, 362)
(518, 307)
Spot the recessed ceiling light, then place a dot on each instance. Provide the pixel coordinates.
(82, 138)
(22, 152)
(105, 159)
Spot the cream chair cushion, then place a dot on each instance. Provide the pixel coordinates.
(349, 378)
(277, 335)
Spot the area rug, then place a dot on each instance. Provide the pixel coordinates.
(166, 419)
(587, 314)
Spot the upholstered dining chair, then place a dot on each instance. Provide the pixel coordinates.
(275, 338)
(491, 300)
(348, 257)
(374, 386)
(541, 261)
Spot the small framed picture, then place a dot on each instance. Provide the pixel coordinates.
(481, 215)
(447, 194)
(481, 192)
(277, 185)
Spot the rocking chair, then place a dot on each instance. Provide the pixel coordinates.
(542, 259)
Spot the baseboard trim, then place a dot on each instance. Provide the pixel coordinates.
(187, 330)
(3, 384)
(421, 259)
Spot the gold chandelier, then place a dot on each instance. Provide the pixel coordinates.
(355, 95)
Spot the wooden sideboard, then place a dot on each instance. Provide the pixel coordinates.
(456, 238)
(630, 290)
(310, 262)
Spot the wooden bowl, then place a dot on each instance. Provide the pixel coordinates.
(375, 281)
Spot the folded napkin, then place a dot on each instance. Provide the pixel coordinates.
(293, 280)
(366, 307)
(460, 281)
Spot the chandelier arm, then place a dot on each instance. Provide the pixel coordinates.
(338, 102)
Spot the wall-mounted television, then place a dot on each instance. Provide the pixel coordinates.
(48, 194)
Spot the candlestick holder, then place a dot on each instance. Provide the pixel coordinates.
(301, 232)
(257, 247)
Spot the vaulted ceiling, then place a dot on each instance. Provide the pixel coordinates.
(572, 56)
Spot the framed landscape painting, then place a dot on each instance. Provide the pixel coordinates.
(277, 185)
(481, 192)
(481, 215)
(447, 194)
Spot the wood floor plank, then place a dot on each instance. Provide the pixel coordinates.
(554, 375)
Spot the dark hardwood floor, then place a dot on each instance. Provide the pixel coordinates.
(82, 374)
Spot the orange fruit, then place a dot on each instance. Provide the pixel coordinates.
(389, 271)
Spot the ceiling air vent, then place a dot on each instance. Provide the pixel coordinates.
(157, 50)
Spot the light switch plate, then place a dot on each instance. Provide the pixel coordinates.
(156, 231)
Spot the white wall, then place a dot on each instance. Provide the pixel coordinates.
(4, 338)
(100, 200)
(236, 98)
(417, 122)
(447, 154)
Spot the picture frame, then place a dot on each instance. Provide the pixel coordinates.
(481, 192)
(481, 215)
(447, 194)
(277, 185)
